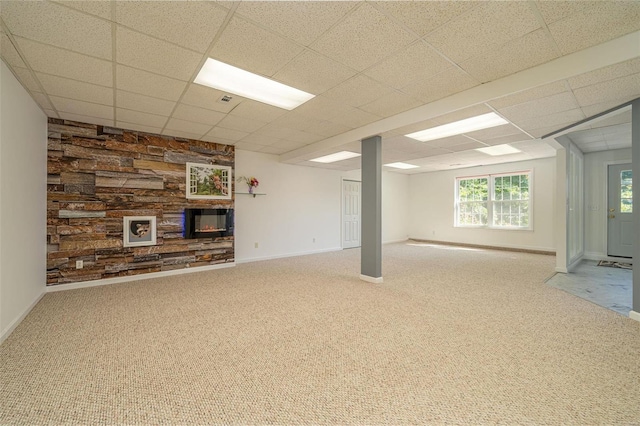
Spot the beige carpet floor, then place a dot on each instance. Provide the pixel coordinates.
(453, 336)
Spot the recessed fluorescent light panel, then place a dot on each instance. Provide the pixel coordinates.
(228, 78)
(499, 150)
(401, 166)
(338, 156)
(467, 125)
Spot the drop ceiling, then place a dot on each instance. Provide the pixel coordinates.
(388, 68)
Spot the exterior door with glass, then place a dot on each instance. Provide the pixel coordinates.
(619, 211)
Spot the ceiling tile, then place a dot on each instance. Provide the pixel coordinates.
(516, 137)
(496, 132)
(248, 146)
(263, 140)
(86, 119)
(26, 78)
(303, 137)
(242, 124)
(621, 89)
(357, 91)
(460, 115)
(354, 117)
(141, 51)
(187, 126)
(569, 116)
(254, 49)
(483, 28)
(10, 54)
(297, 121)
(173, 21)
(51, 113)
(138, 127)
(328, 129)
(555, 10)
(257, 110)
(320, 108)
(530, 94)
(60, 26)
(92, 7)
(516, 55)
(221, 141)
(148, 104)
(56, 61)
(182, 134)
(604, 74)
(448, 142)
(604, 21)
(229, 134)
(141, 118)
(274, 131)
(41, 100)
(273, 150)
(287, 145)
(441, 85)
(423, 17)
(82, 108)
(73, 89)
(198, 115)
(391, 104)
(208, 98)
(466, 146)
(418, 61)
(302, 21)
(540, 107)
(313, 73)
(371, 37)
(591, 110)
(146, 83)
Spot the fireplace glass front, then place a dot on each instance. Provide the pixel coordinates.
(208, 223)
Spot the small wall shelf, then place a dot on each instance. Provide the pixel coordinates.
(248, 193)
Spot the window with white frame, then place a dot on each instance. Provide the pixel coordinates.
(495, 201)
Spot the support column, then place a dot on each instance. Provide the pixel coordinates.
(371, 251)
(635, 166)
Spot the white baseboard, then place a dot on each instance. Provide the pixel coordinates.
(374, 280)
(107, 281)
(542, 250)
(7, 331)
(562, 270)
(634, 315)
(281, 256)
(402, 240)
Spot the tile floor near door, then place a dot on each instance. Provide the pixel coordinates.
(608, 287)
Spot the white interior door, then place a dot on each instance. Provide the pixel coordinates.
(619, 211)
(351, 213)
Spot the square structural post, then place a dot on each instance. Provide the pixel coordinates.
(371, 251)
(635, 167)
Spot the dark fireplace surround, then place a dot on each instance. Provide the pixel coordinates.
(208, 223)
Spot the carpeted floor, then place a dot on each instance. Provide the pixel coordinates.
(453, 336)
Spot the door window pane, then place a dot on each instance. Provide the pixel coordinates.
(626, 193)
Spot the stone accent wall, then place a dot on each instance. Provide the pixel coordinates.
(97, 175)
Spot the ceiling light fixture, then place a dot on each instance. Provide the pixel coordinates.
(499, 150)
(467, 125)
(228, 78)
(403, 166)
(338, 156)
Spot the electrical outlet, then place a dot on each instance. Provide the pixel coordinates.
(79, 264)
(256, 245)
(314, 240)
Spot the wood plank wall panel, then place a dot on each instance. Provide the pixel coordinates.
(97, 175)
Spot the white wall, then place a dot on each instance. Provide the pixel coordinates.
(432, 203)
(23, 198)
(595, 199)
(302, 203)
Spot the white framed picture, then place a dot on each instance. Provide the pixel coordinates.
(138, 231)
(208, 182)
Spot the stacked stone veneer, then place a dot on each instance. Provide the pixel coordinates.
(97, 175)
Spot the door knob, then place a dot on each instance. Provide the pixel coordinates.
(612, 210)
(611, 216)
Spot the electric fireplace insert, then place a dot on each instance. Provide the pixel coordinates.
(208, 223)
